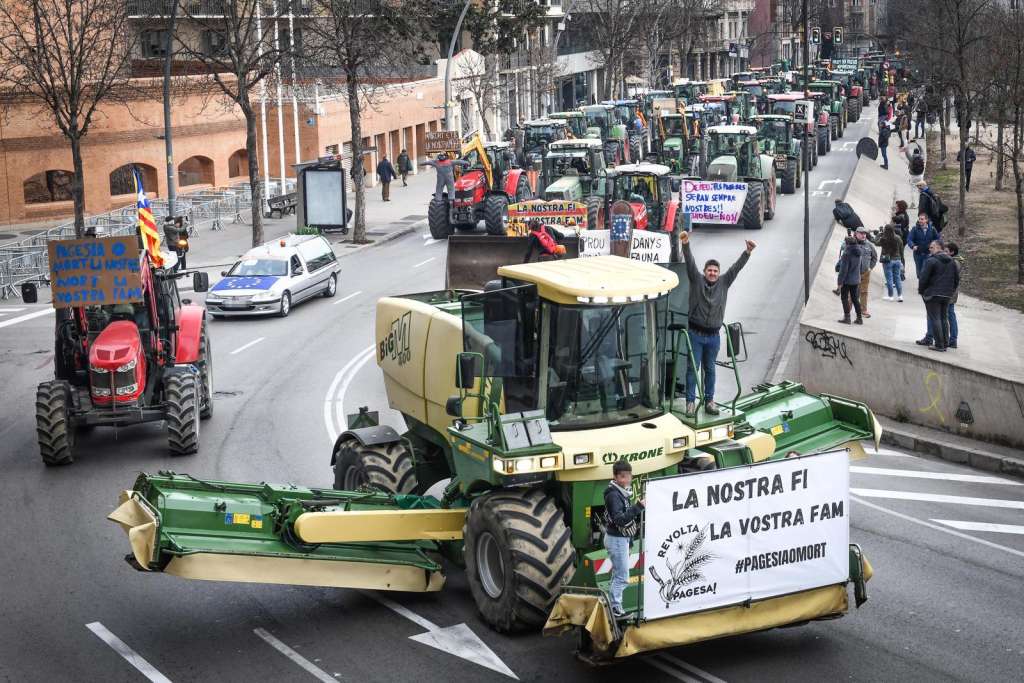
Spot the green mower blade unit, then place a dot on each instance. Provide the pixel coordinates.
(268, 533)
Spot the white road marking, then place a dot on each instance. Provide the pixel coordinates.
(945, 476)
(939, 498)
(334, 409)
(458, 640)
(671, 671)
(346, 298)
(243, 347)
(983, 526)
(914, 520)
(129, 655)
(291, 654)
(27, 316)
(836, 181)
(710, 678)
(5, 311)
(423, 263)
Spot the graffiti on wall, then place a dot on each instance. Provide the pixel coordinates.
(828, 345)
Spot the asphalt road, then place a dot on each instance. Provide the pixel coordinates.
(945, 602)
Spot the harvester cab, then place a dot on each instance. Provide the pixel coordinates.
(601, 126)
(779, 139)
(491, 181)
(144, 359)
(734, 157)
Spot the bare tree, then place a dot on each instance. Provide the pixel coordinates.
(614, 27)
(69, 57)
(480, 80)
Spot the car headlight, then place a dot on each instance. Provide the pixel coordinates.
(126, 391)
(265, 296)
(213, 298)
(129, 366)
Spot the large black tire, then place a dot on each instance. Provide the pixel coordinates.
(386, 467)
(205, 374)
(495, 214)
(789, 178)
(833, 126)
(635, 150)
(182, 399)
(770, 197)
(752, 216)
(823, 141)
(519, 554)
(54, 431)
(595, 206)
(437, 219)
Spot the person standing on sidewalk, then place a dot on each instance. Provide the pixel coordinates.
(709, 292)
(883, 141)
(404, 167)
(622, 522)
(868, 261)
(922, 116)
(921, 235)
(954, 328)
(386, 173)
(969, 157)
(892, 262)
(940, 279)
(849, 280)
(929, 203)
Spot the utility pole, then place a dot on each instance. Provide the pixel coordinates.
(172, 192)
(448, 66)
(807, 176)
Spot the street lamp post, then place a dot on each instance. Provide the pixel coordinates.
(168, 144)
(448, 65)
(807, 182)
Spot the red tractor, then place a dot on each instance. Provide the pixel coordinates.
(648, 188)
(128, 363)
(489, 183)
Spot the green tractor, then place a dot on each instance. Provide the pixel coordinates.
(734, 157)
(793, 105)
(677, 139)
(574, 171)
(632, 126)
(688, 91)
(834, 102)
(533, 138)
(853, 92)
(601, 125)
(575, 120)
(779, 139)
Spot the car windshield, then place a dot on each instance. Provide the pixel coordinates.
(603, 365)
(259, 267)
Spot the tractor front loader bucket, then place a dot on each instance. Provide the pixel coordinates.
(265, 533)
(473, 260)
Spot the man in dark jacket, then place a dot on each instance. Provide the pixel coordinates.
(386, 173)
(404, 167)
(939, 280)
(708, 294)
(868, 261)
(849, 279)
(844, 214)
(969, 157)
(929, 204)
(921, 235)
(622, 520)
(884, 131)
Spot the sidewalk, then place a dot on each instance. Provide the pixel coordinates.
(976, 391)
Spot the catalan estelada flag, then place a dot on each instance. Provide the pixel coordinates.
(147, 223)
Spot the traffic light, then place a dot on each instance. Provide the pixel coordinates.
(837, 35)
(816, 36)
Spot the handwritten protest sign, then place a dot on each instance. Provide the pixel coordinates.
(729, 536)
(644, 245)
(95, 272)
(571, 215)
(714, 202)
(442, 141)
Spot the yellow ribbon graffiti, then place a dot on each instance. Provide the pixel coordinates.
(933, 385)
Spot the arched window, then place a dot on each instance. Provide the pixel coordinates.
(48, 186)
(122, 182)
(197, 170)
(238, 164)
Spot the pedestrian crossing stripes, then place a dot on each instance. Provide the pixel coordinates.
(944, 476)
(983, 526)
(938, 498)
(7, 322)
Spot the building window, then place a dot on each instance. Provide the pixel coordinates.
(215, 44)
(154, 44)
(48, 186)
(122, 180)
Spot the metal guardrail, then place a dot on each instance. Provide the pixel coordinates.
(27, 260)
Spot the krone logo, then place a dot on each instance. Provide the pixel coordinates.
(612, 457)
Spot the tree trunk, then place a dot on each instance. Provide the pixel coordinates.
(943, 124)
(961, 210)
(1000, 158)
(78, 183)
(359, 229)
(255, 184)
(1018, 187)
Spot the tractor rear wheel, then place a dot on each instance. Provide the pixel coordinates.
(54, 432)
(387, 467)
(752, 216)
(495, 213)
(800, 169)
(206, 373)
(595, 211)
(833, 125)
(181, 396)
(770, 198)
(519, 554)
(635, 150)
(437, 219)
(789, 177)
(823, 134)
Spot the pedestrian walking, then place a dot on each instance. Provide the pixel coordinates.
(968, 157)
(940, 278)
(844, 214)
(901, 221)
(922, 117)
(930, 204)
(849, 280)
(621, 524)
(883, 110)
(921, 235)
(386, 173)
(892, 262)
(868, 261)
(954, 327)
(404, 167)
(444, 168)
(709, 292)
(903, 126)
(884, 131)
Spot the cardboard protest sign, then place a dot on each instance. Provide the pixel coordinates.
(439, 141)
(644, 245)
(727, 536)
(714, 202)
(95, 272)
(570, 215)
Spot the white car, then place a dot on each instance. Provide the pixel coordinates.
(273, 277)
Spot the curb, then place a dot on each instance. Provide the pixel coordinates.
(976, 454)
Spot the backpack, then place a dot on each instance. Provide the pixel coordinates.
(941, 209)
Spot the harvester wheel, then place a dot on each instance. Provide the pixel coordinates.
(752, 216)
(206, 374)
(495, 213)
(53, 423)
(386, 466)
(789, 178)
(823, 141)
(437, 219)
(181, 395)
(595, 213)
(518, 556)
